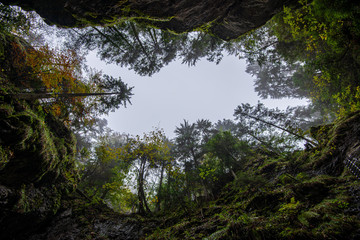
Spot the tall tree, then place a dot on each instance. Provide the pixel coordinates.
(189, 147)
(56, 77)
(324, 38)
(272, 123)
(144, 49)
(229, 149)
(103, 172)
(277, 80)
(146, 153)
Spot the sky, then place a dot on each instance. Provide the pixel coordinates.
(178, 92)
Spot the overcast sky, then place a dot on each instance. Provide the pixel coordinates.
(178, 92)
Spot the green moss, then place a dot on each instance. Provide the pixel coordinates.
(23, 205)
(37, 146)
(308, 217)
(338, 227)
(287, 179)
(6, 109)
(5, 155)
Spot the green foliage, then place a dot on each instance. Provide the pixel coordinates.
(4, 157)
(291, 207)
(123, 166)
(146, 49)
(301, 176)
(348, 100)
(306, 217)
(341, 204)
(246, 181)
(256, 206)
(286, 179)
(227, 148)
(12, 20)
(278, 131)
(209, 168)
(249, 168)
(327, 33)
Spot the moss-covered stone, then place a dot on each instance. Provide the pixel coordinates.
(36, 149)
(225, 19)
(37, 167)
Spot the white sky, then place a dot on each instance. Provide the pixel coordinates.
(179, 92)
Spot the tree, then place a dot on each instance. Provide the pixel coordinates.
(189, 141)
(269, 122)
(189, 145)
(276, 80)
(229, 149)
(145, 49)
(324, 37)
(55, 77)
(104, 172)
(145, 154)
(13, 19)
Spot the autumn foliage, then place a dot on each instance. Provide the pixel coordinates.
(56, 79)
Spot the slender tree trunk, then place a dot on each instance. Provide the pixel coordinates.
(122, 36)
(145, 202)
(281, 128)
(141, 193)
(232, 173)
(33, 96)
(107, 38)
(153, 38)
(158, 204)
(167, 199)
(141, 208)
(265, 144)
(195, 158)
(136, 34)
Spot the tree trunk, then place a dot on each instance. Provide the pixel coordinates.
(107, 38)
(167, 199)
(265, 144)
(141, 209)
(33, 96)
(143, 206)
(232, 173)
(158, 204)
(136, 35)
(121, 36)
(281, 128)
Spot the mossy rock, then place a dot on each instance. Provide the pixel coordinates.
(37, 167)
(312, 192)
(338, 141)
(36, 146)
(265, 202)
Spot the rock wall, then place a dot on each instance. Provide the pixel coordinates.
(79, 219)
(226, 19)
(37, 168)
